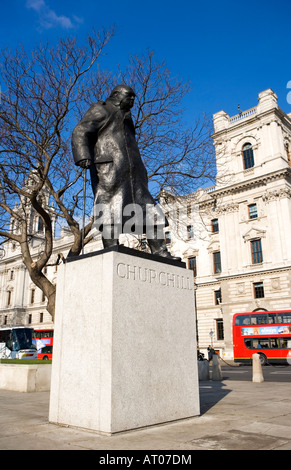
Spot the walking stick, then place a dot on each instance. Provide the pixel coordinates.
(84, 202)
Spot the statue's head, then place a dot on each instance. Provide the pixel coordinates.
(123, 96)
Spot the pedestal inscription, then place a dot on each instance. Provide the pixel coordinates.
(164, 278)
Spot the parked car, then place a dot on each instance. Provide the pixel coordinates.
(45, 353)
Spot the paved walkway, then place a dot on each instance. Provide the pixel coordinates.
(235, 415)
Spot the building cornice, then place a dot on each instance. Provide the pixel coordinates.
(227, 277)
(17, 257)
(235, 125)
(263, 180)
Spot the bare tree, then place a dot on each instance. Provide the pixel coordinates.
(178, 158)
(44, 95)
(38, 103)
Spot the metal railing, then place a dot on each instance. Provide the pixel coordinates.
(243, 115)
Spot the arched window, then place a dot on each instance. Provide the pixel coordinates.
(248, 156)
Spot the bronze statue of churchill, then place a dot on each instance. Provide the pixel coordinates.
(104, 141)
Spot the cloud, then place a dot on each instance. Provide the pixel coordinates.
(48, 18)
(35, 4)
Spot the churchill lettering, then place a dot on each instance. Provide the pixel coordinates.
(152, 276)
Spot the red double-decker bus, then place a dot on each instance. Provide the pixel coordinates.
(265, 333)
(44, 340)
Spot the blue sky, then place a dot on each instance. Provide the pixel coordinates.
(228, 50)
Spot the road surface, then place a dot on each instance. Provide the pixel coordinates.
(276, 373)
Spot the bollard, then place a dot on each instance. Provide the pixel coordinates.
(257, 369)
(203, 370)
(216, 369)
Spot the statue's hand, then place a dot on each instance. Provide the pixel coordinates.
(85, 163)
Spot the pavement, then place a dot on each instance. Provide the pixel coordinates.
(235, 415)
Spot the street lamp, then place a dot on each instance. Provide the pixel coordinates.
(211, 333)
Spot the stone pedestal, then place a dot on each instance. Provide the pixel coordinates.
(125, 342)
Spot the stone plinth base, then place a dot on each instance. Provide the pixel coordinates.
(25, 377)
(125, 342)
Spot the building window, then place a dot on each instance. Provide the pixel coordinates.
(9, 298)
(189, 210)
(217, 262)
(41, 317)
(219, 329)
(257, 254)
(193, 265)
(253, 212)
(259, 290)
(30, 319)
(190, 232)
(143, 244)
(214, 226)
(43, 297)
(40, 225)
(32, 295)
(248, 156)
(5, 320)
(217, 297)
(178, 219)
(288, 153)
(168, 238)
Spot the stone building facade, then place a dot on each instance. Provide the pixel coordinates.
(21, 302)
(236, 235)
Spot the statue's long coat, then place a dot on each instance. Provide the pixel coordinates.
(106, 136)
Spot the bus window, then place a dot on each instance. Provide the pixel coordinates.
(6, 337)
(272, 318)
(274, 343)
(40, 334)
(248, 343)
(242, 320)
(22, 338)
(286, 317)
(260, 343)
(262, 319)
(285, 343)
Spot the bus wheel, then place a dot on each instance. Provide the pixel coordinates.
(45, 358)
(263, 359)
